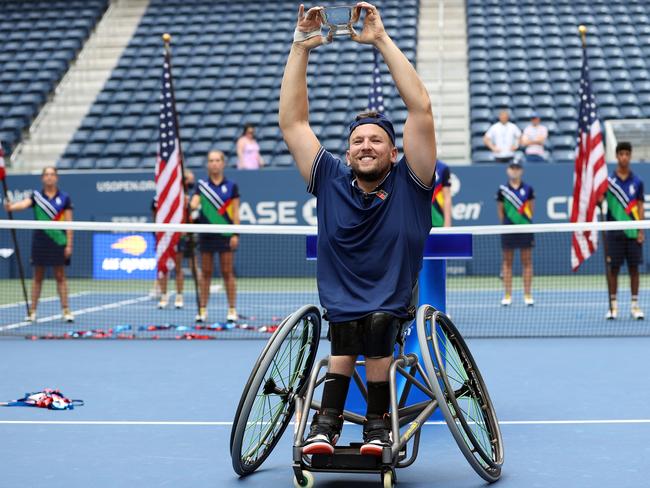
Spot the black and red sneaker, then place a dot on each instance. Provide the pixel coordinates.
(324, 432)
(376, 436)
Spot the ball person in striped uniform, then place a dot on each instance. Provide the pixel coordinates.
(50, 247)
(216, 201)
(515, 206)
(625, 199)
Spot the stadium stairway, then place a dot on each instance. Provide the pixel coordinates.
(57, 122)
(442, 64)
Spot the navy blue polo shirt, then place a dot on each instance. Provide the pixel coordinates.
(370, 245)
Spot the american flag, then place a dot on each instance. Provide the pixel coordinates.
(376, 95)
(169, 173)
(590, 176)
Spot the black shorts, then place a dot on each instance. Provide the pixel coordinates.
(621, 248)
(212, 243)
(517, 241)
(372, 336)
(46, 252)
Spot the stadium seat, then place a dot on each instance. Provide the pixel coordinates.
(221, 83)
(34, 65)
(609, 112)
(550, 59)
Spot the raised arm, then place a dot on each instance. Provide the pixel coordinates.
(419, 132)
(294, 105)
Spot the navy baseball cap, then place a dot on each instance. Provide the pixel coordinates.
(380, 119)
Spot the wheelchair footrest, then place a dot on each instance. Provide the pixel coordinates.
(349, 457)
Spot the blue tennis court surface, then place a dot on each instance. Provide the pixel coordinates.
(560, 312)
(137, 314)
(574, 413)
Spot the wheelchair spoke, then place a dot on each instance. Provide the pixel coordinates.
(267, 404)
(260, 439)
(465, 395)
(452, 358)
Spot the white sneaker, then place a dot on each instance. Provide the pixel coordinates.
(202, 316)
(529, 301)
(67, 315)
(506, 301)
(232, 315)
(164, 300)
(636, 312)
(31, 317)
(612, 314)
(178, 301)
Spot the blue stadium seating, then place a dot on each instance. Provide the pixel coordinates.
(39, 40)
(228, 59)
(523, 47)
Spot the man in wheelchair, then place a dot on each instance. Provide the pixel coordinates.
(374, 215)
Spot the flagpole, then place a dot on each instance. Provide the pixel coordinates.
(21, 271)
(582, 29)
(167, 38)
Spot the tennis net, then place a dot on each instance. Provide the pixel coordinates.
(113, 291)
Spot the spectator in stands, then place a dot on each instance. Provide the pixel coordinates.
(216, 201)
(515, 206)
(183, 249)
(248, 150)
(50, 247)
(502, 138)
(533, 140)
(625, 198)
(441, 201)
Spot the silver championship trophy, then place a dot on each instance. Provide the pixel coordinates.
(339, 20)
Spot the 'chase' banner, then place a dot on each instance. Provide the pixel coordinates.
(124, 256)
(279, 196)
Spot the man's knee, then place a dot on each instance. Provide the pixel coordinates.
(343, 365)
(377, 368)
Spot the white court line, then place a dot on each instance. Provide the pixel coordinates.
(48, 299)
(228, 424)
(538, 305)
(121, 303)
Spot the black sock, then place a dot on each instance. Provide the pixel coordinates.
(335, 391)
(378, 399)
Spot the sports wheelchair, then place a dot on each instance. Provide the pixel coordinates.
(287, 373)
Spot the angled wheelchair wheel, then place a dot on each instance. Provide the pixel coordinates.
(268, 401)
(461, 392)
